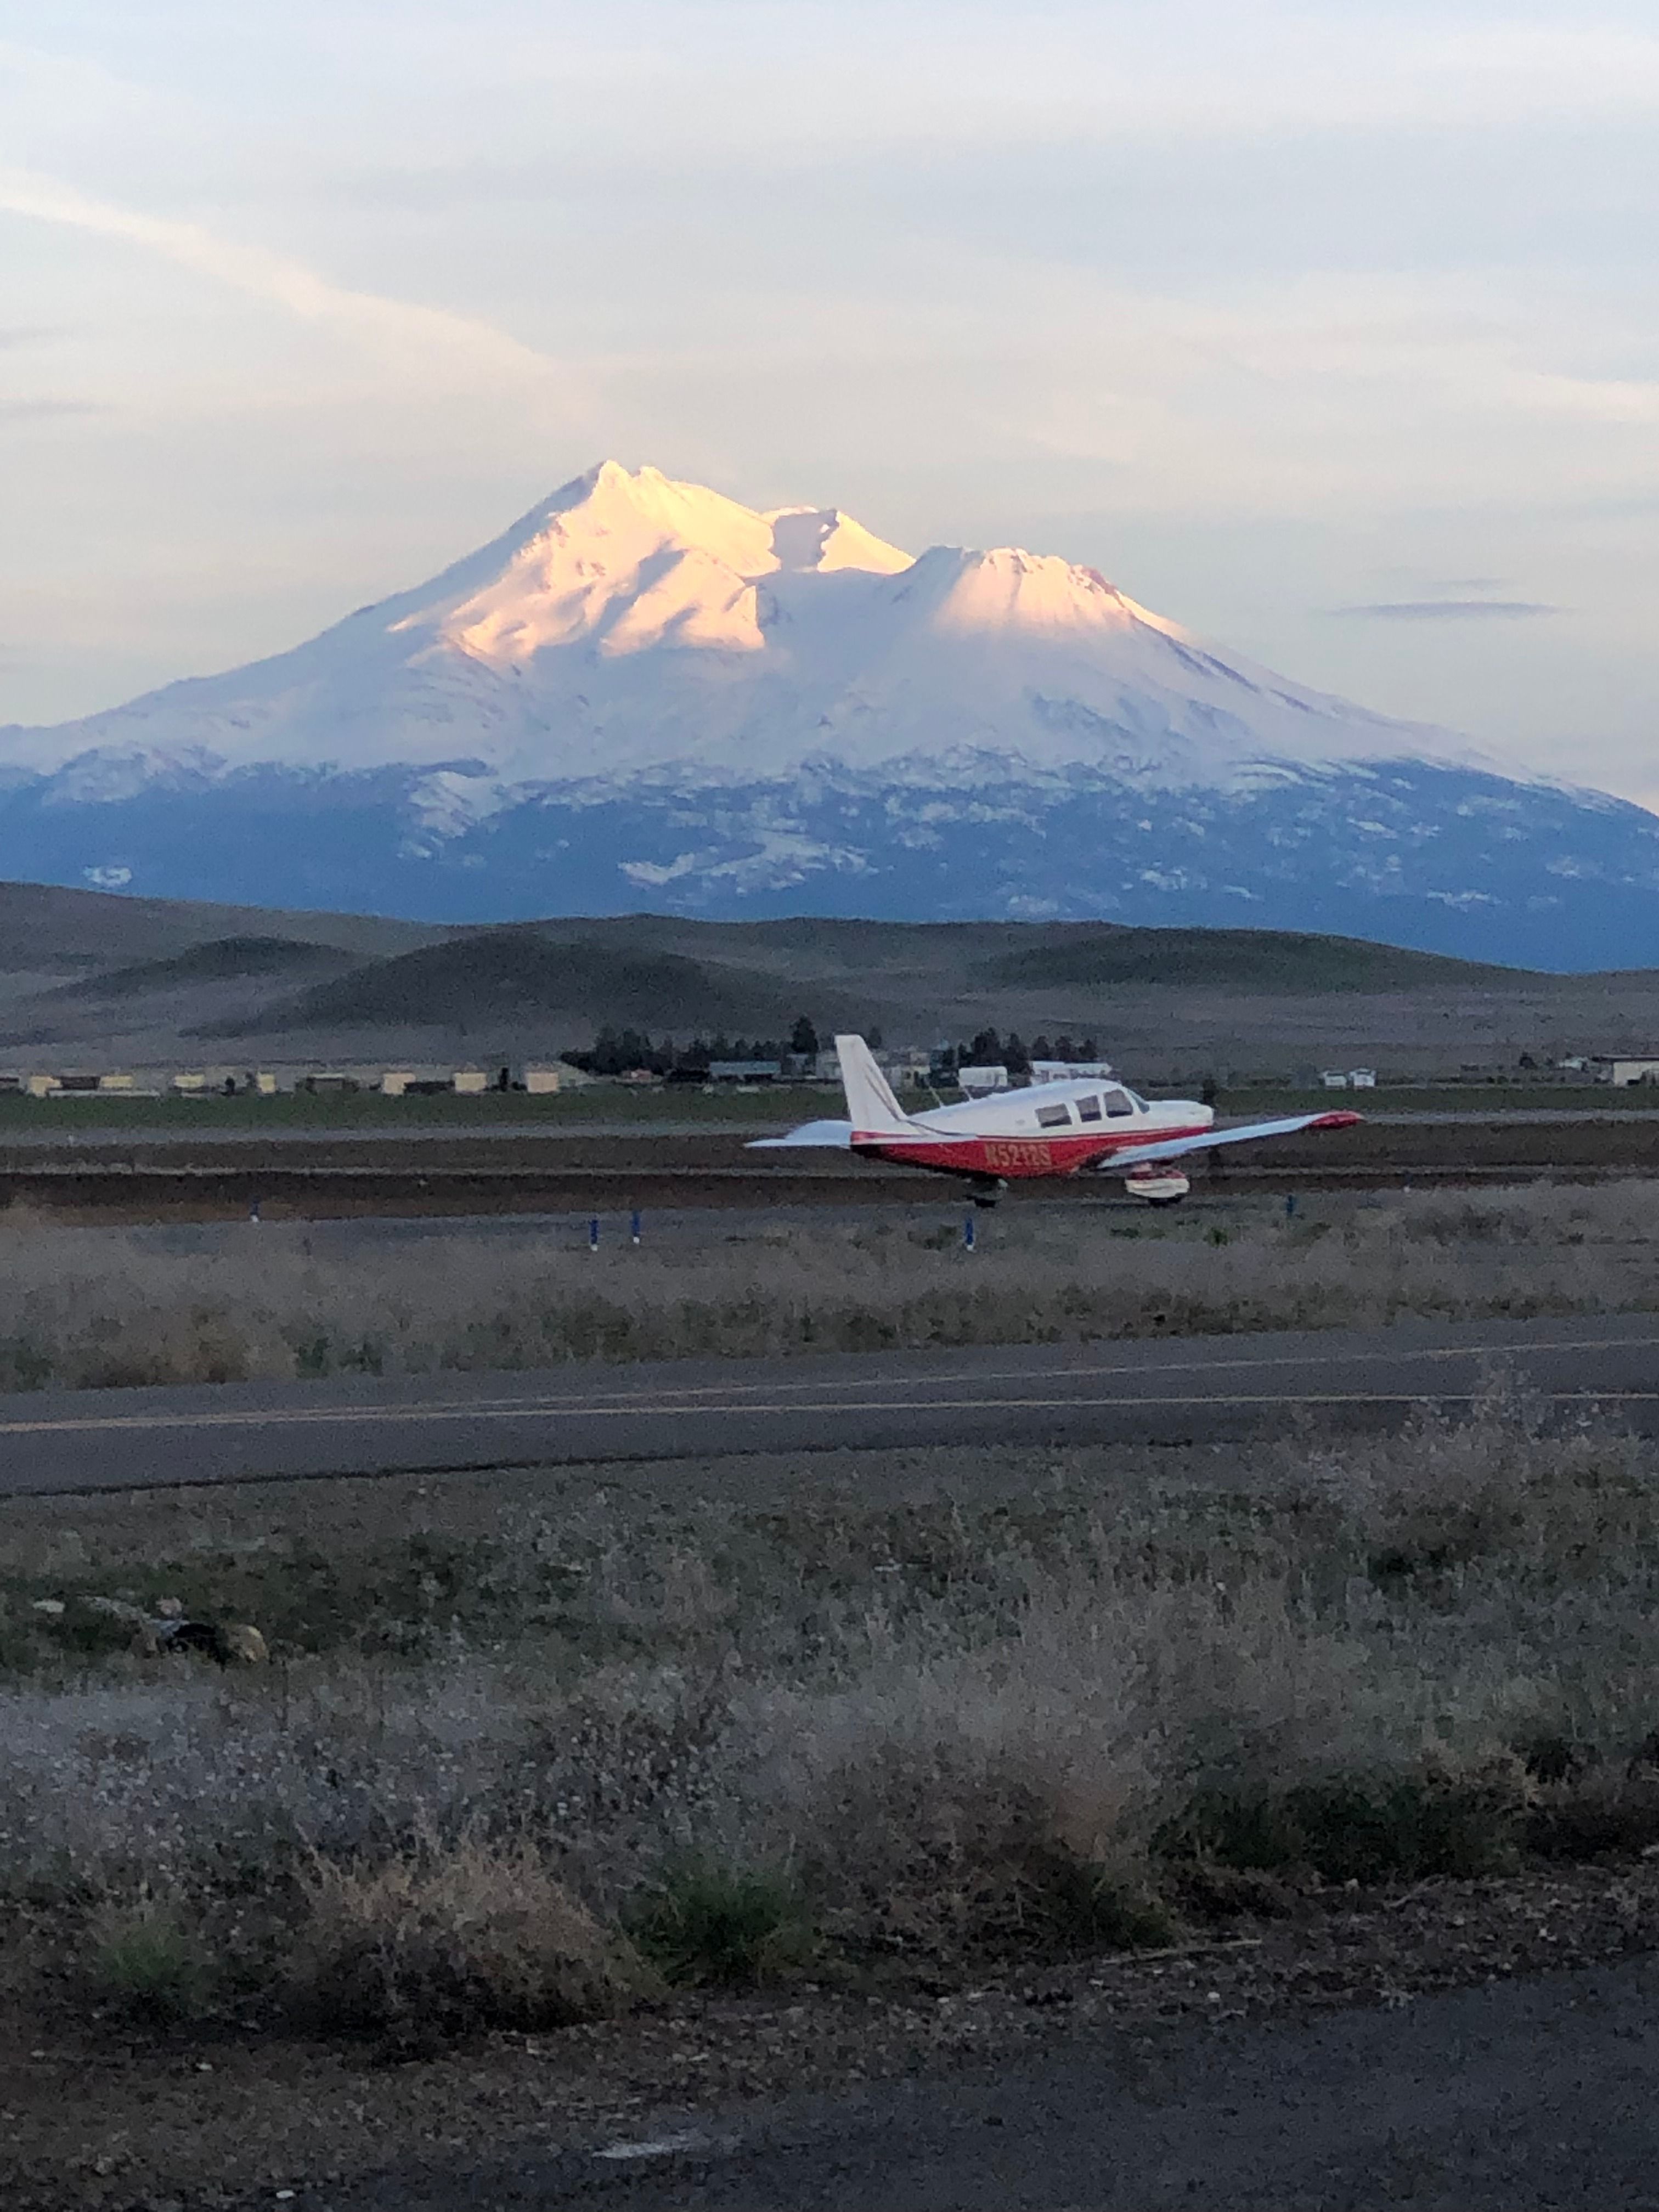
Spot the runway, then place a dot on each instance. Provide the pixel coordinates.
(1194, 1390)
(202, 1173)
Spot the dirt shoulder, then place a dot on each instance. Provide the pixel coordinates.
(97, 2118)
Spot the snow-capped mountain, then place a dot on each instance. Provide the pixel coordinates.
(647, 694)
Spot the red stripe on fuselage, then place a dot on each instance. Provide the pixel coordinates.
(1009, 1159)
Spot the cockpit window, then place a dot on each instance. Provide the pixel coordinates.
(1088, 1109)
(1117, 1103)
(1053, 1117)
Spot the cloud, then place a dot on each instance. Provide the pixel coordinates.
(822, 78)
(43, 411)
(1449, 610)
(397, 329)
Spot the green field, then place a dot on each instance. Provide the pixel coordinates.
(617, 1103)
(1444, 1098)
(610, 1104)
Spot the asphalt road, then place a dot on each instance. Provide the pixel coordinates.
(1511, 2098)
(1164, 1391)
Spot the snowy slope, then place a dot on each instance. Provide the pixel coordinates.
(644, 693)
(630, 624)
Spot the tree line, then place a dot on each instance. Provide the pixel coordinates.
(986, 1049)
(631, 1052)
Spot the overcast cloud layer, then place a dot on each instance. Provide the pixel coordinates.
(1330, 330)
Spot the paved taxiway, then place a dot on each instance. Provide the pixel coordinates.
(1164, 1391)
(1528, 2096)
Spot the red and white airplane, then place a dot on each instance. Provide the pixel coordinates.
(1081, 1124)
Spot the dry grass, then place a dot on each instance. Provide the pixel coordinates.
(142, 1957)
(1059, 1704)
(438, 1938)
(91, 1306)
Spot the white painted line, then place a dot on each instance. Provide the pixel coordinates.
(368, 1416)
(666, 1400)
(655, 2146)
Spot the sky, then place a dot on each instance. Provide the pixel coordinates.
(1330, 330)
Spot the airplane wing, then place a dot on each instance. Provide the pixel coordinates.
(1172, 1148)
(825, 1136)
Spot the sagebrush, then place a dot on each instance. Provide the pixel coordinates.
(930, 1711)
(94, 1307)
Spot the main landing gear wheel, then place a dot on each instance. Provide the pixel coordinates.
(987, 1193)
(1156, 1188)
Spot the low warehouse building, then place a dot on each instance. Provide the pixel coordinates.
(744, 1071)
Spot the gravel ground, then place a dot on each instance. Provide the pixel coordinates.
(100, 2121)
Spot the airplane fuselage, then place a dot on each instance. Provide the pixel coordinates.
(1079, 1124)
(1047, 1129)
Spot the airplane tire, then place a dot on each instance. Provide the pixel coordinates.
(1168, 1188)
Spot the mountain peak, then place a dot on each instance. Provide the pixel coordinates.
(818, 540)
(633, 623)
(643, 692)
(753, 543)
(626, 561)
(1006, 589)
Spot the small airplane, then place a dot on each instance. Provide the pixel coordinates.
(1077, 1124)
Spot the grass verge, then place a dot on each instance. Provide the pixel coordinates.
(530, 1748)
(90, 1308)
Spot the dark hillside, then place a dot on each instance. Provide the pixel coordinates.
(109, 979)
(1265, 961)
(975, 956)
(503, 975)
(43, 928)
(220, 960)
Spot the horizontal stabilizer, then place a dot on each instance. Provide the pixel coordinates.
(826, 1136)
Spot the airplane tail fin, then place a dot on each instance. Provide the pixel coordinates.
(871, 1104)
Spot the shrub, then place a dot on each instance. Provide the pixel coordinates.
(704, 1923)
(1360, 1827)
(143, 1958)
(442, 1939)
(1077, 1905)
(1583, 1808)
